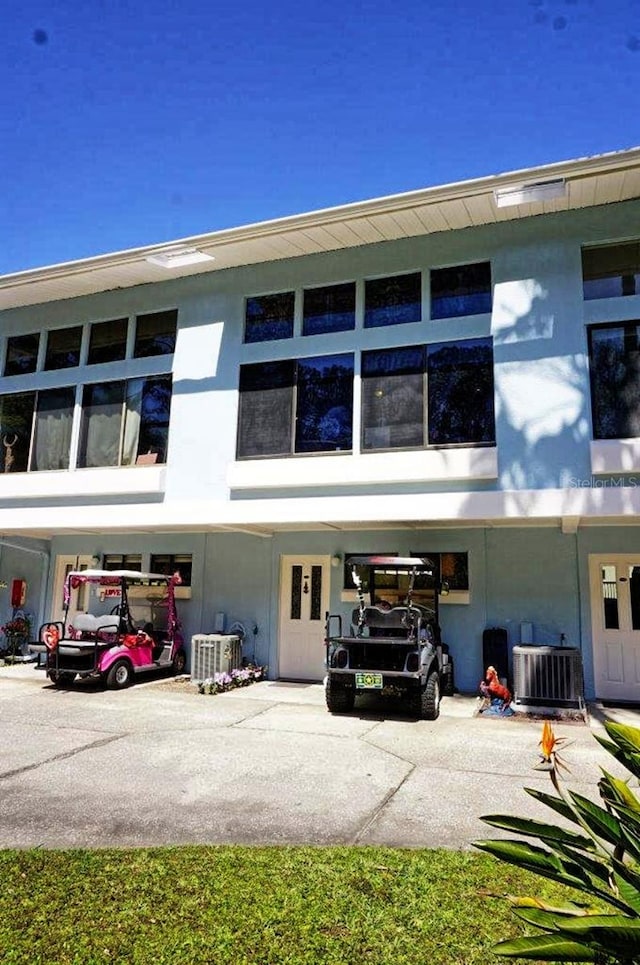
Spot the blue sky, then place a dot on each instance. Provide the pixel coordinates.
(130, 123)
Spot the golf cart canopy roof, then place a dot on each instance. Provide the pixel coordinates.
(110, 577)
(393, 562)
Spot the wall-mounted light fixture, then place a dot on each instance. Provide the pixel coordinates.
(529, 193)
(336, 560)
(179, 257)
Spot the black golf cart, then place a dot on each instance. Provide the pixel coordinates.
(394, 646)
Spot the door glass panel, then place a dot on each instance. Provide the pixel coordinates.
(634, 595)
(296, 592)
(316, 592)
(610, 597)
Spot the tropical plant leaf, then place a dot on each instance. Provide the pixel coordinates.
(616, 791)
(604, 824)
(625, 736)
(548, 833)
(545, 918)
(627, 881)
(546, 948)
(570, 908)
(538, 860)
(614, 934)
(555, 803)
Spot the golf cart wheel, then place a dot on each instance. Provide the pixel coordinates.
(119, 675)
(447, 685)
(340, 699)
(430, 697)
(179, 661)
(61, 679)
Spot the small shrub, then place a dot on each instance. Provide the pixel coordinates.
(241, 677)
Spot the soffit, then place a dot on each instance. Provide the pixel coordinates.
(599, 180)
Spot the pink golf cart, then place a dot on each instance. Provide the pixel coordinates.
(133, 628)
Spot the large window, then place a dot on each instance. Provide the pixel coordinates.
(461, 290)
(329, 309)
(269, 317)
(614, 352)
(438, 394)
(170, 563)
(35, 430)
(124, 423)
(611, 270)
(392, 301)
(296, 406)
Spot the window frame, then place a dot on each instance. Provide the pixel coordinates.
(469, 312)
(628, 337)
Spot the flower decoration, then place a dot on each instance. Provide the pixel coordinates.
(18, 626)
(549, 746)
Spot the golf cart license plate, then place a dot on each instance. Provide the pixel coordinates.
(369, 681)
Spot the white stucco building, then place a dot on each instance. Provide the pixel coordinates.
(454, 371)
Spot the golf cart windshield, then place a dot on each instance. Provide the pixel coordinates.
(138, 599)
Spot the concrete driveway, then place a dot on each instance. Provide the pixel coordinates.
(265, 765)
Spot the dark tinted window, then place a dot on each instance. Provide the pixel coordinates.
(615, 380)
(392, 301)
(16, 423)
(22, 354)
(155, 334)
(63, 348)
(266, 409)
(324, 404)
(461, 290)
(269, 317)
(460, 392)
(330, 309)
(611, 270)
(393, 398)
(108, 341)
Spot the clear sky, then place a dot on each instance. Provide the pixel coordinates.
(131, 122)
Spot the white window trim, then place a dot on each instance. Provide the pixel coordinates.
(615, 455)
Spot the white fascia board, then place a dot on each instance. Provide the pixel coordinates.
(63, 484)
(588, 501)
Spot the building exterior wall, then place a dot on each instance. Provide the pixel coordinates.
(542, 457)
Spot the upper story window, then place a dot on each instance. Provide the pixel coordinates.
(35, 430)
(63, 348)
(108, 341)
(122, 561)
(329, 309)
(392, 301)
(461, 290)
(439, 394)
(155, 334)
(22, 354)
(611, 270)
(124, 423)
(268, 317)
(296, 406)
(614, 354)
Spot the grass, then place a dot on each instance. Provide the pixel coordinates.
(259, 906)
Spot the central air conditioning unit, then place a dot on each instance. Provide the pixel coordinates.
(213, 653)
(550, 676)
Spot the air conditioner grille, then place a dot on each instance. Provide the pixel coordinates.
(548, 675)
(213, 653)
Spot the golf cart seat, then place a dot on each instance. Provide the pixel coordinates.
(88, 625)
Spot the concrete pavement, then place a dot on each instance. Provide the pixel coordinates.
(268, 764)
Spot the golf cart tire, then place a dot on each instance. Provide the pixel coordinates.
(429, 700)
(340, 699)
(447, 685)
(119, 675)
(61, 679)
(179, 662)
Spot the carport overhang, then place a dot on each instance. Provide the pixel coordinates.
(566, 509)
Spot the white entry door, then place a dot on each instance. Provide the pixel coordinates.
(304, 600)
(615, 615)
(79, 598)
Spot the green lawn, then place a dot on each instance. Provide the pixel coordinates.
(285, 906)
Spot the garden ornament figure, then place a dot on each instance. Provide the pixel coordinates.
(497, 697)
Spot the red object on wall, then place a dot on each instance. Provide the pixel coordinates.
(18, 592)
